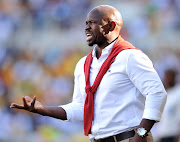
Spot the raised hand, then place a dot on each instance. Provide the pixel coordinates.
(29, 104)
(32, 105)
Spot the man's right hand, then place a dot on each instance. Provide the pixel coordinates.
(29, 104)
(32, 105)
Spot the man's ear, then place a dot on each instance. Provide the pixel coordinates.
(112, 25)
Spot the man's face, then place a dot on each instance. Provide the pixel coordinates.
(94, 29)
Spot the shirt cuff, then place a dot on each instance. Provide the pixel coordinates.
(67, 108)
(74, 111)
(152, 114)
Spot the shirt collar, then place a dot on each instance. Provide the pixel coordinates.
(106, 50)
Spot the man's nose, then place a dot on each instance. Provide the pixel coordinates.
(87, 27)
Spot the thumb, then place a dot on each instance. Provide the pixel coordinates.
(28, 98)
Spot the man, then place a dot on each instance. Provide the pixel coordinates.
(117, 92)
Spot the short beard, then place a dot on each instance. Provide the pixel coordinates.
(92, 43)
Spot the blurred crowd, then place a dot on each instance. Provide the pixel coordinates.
(42, 40)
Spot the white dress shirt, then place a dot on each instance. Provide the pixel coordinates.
(119, 102)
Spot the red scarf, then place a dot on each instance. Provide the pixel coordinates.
(119, 45)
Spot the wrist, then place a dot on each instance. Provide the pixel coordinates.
(41, 110)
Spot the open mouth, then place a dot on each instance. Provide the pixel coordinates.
(89, 36)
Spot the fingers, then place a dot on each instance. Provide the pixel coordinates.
(28, 99)
(33, 101)
(25, 103)
(13, 105)
(28, 103)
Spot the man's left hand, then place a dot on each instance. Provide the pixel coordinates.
(138, 138)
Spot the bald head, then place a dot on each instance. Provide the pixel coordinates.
(103, 25)
(108, 14)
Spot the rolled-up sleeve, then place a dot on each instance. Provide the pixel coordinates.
(143, 75)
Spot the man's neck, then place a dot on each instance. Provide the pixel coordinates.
(100, 48)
